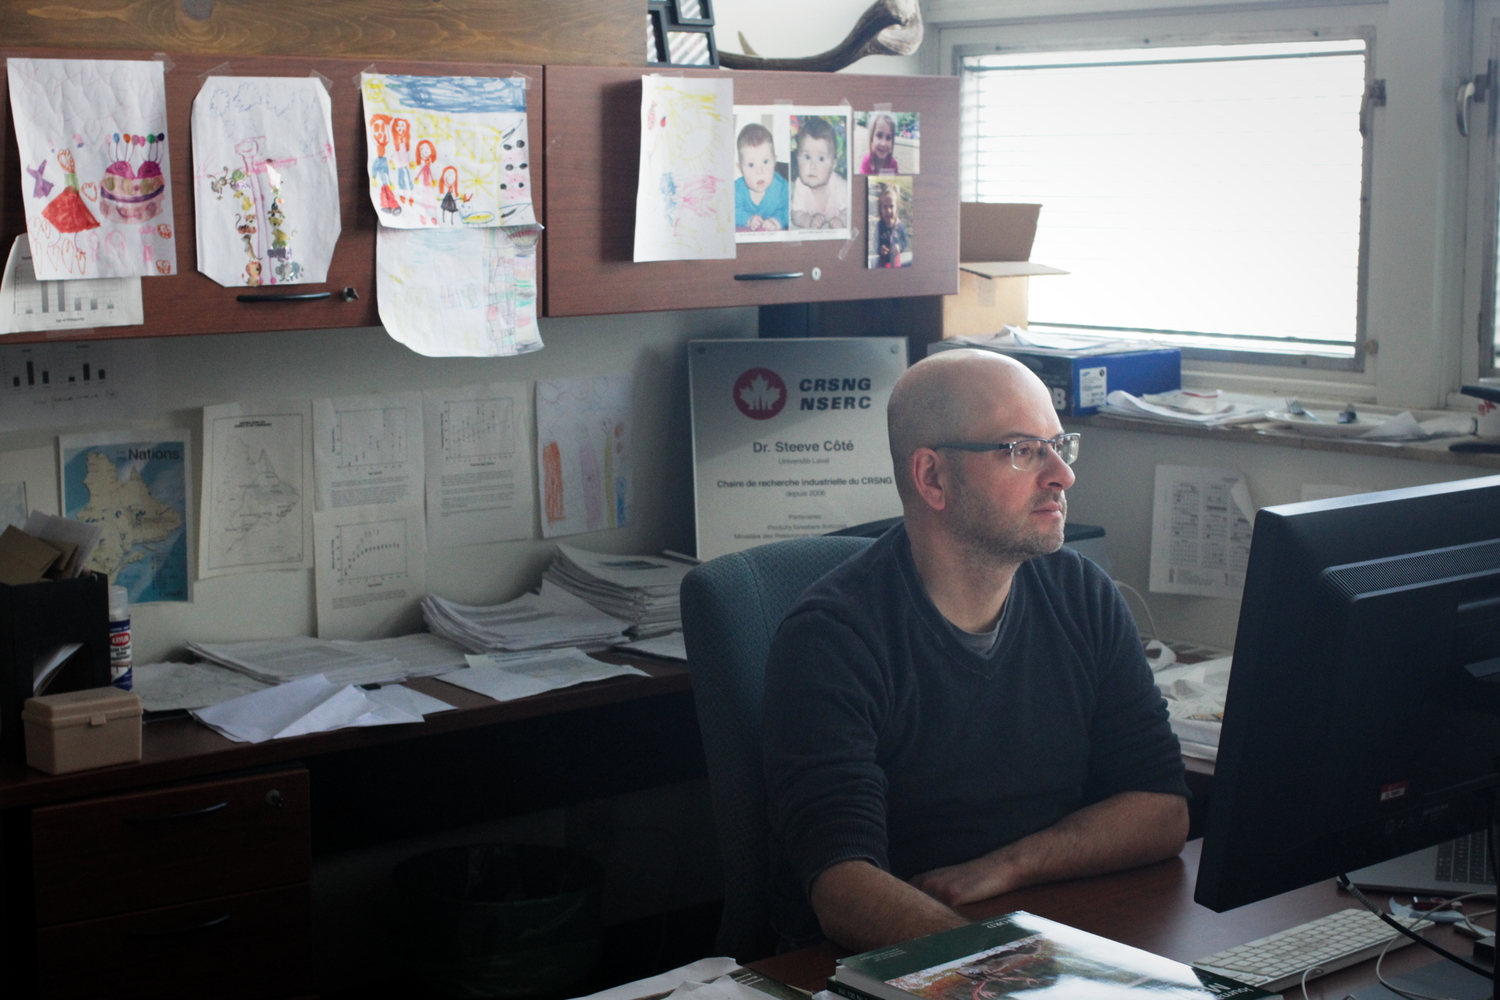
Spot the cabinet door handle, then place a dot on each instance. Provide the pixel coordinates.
(170, 931)
(169, 817)
(768, 276)
(299, 297)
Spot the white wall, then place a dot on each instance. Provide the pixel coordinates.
(194, 371)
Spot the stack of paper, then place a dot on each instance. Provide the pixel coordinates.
(1188, 408)
(549, 620)
(379, 661)
(643, 590)
(164, 687)
(313, 705)
(506, 676)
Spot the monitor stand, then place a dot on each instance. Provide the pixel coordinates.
(1441, 979)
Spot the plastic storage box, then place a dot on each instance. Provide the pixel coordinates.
(82, 729)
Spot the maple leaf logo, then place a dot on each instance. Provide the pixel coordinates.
(759, 393)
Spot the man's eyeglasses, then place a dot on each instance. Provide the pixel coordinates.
(1027, 454)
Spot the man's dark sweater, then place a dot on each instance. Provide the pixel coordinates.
(888, 738)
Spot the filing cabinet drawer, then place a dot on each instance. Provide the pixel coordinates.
(252, 945)
(149, 849)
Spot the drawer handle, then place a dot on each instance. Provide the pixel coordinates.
(168, 817)
(300, 297)
(768, 276)
(190, 928)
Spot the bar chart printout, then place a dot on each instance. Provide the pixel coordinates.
(371, 570)
(28, 305)
(74, 383)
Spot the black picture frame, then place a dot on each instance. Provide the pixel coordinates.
(682, 31)
(656, 35)
(705, 12)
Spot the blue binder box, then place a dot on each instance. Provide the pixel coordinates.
(1079, 381)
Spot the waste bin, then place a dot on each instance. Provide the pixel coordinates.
(498, 920)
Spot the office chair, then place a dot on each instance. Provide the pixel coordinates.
(731, 607)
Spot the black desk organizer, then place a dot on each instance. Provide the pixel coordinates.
(36, 616)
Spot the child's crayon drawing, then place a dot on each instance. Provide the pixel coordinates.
(684, 207)
(448, 150)
(265, 180)
(96, 182)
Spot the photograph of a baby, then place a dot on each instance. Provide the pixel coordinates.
(890, 222)
(820, 172)
(761, 191)
(888, 142)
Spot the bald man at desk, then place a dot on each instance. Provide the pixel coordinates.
(964, 708)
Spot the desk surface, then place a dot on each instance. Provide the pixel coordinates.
(179, 749)
(1153, 908)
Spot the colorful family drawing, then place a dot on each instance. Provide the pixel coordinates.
(685, 201)
(94, 150)
(448, 151)
(266, 180)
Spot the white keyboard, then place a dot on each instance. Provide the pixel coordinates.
(1328, 943)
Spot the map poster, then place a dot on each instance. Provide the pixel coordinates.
(257, 471)
(134, 485)
(789, 437)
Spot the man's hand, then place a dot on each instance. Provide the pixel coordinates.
(860, 907)
(1123, 831)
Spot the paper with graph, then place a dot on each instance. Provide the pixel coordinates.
(479, 485)
(583, 459)
(96, 177)
(257, 473)
(367, 450)
(265, 182)
(684, 205)
(371, 570)
(448, 150)
(457, 292)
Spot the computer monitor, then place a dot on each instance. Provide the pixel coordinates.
(1362, 720)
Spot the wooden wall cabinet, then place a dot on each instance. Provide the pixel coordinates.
(191, 303)
(593, 144)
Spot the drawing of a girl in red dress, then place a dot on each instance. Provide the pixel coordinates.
(67, 211)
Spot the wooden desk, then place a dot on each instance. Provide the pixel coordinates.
(487, 760)
(1153, 908)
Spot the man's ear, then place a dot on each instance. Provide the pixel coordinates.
(930, 477)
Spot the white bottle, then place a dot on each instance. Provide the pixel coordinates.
(119, 638)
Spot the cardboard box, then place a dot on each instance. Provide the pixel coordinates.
(995, 266)
(1079, 381)
(82, 729)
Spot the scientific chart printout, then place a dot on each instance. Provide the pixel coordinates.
(583, 453)
(1201, 524)
(83, 382)
(684, 206)
(96, 181)
(265, 181)
(135, 486)
(27, 304)
(479, 480)
(371, 570)
(367, 450)
(789, 437)
(257, 470)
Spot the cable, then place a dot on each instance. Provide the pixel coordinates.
(1354, 891)
(1310, 970)
(1149, 617)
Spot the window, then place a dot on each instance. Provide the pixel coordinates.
(1206, 195)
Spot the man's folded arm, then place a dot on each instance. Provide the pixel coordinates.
(1124, 831)
(860, 906)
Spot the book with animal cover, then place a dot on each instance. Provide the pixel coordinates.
(1022, 955)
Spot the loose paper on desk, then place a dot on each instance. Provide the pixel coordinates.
(265, 182)
(27, 304)
(1200, 531)
(96, 181)
(459, 292)
(310, 705)
(86, 382)
(372, 661)
(583, 453)
(257, 468)
(134, 485)
(448, 150)
(163, 687)
(789, 437)
(504, 676)
(479, 480)
(684, 205)
(368, 450)
(371, 570)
